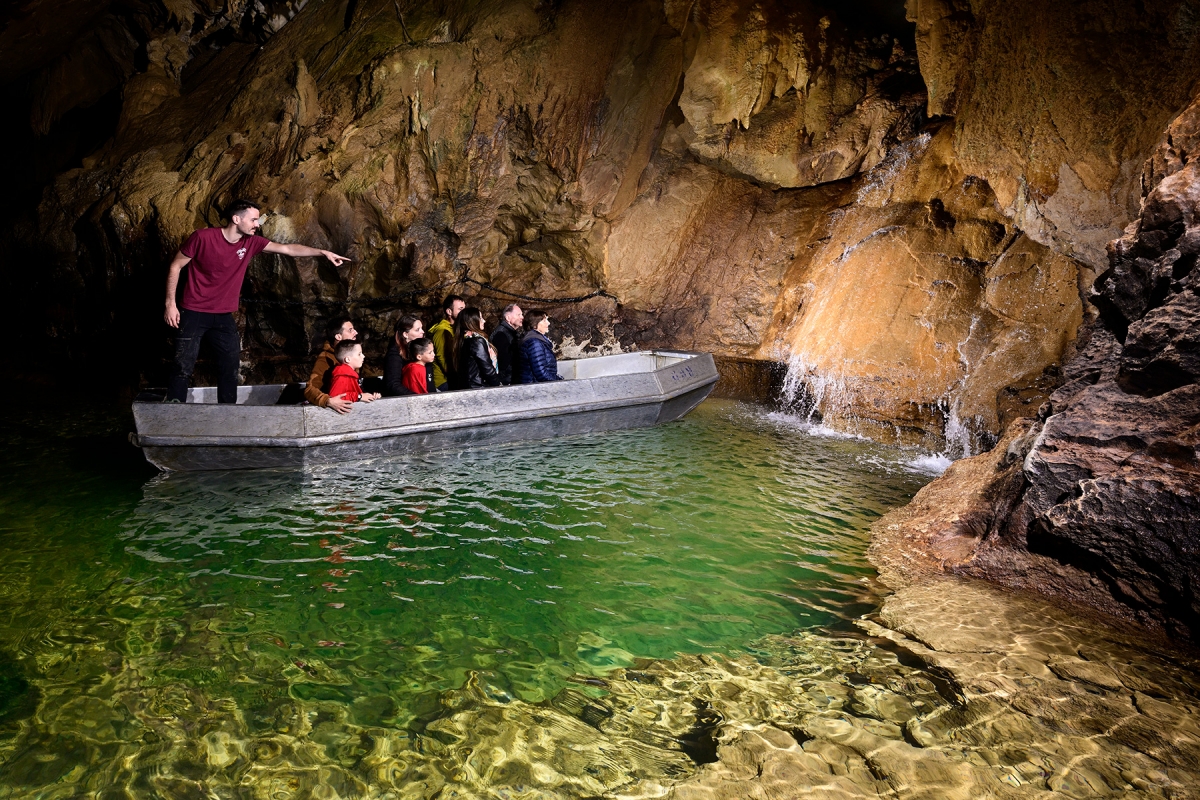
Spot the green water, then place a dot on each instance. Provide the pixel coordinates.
(135, 607)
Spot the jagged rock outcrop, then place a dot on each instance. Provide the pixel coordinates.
(1099, 499)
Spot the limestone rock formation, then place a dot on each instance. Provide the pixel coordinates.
(1099, 499)
(488, 148)
(751, 177)
(785, 94)
(1053, 106)
(924, 298)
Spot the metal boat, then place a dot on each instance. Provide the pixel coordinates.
(263, 429)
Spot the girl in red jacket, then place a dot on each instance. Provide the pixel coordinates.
(345, 375)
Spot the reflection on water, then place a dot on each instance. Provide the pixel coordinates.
(139, 615)
(532, 562)
(598, 616)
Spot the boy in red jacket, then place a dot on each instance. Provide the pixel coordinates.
(345, 375)
(418, 375)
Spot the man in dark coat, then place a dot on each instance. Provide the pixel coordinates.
(507, 339)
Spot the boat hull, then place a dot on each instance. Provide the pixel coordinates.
(254, 435)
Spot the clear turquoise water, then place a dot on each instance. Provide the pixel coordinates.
(378, 586)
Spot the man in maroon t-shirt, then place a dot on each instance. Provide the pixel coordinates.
(218, 258)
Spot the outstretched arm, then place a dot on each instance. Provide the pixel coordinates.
(171, 316)
(303, 250)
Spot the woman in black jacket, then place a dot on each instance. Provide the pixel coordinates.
(474, 356)
(408, 329)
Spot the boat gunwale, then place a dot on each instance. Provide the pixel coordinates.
(409, 428)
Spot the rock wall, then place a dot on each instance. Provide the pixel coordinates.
(925, 301)
(905, 210)
(1098, 499)
(489, 148)
(1057, 105)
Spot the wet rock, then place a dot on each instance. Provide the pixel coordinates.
(1102, 506)
(792, 98)
(1058, 128)
(972, 306)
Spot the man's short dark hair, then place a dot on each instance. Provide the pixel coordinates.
(334, 328)
(344, 348)
(450, 300)
(417, 346)
(533, 318)
(238, 206)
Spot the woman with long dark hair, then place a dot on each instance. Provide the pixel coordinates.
(474, 356)
(408, 329)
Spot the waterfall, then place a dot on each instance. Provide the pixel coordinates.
(811, 393)
(826, 398)
(912, 398)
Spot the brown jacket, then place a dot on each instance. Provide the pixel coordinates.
(320, 378)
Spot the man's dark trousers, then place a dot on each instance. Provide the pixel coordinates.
(222, 333)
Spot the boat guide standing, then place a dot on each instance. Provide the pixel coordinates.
(218, 258)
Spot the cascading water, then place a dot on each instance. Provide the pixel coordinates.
(964, 436)
(828, 405)
(884, 173)
(811, 393)
(856, 381)
(826, 399)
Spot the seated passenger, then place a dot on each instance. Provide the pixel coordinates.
(442, 334)
(475, 358)
(507, 341)
(418, 373)
(345, 375)
(537, 362)
(408, 329)
(317, 390)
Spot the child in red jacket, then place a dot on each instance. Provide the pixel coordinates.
(418, 375)
(345, 375)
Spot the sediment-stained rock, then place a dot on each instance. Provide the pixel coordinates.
(925, 299)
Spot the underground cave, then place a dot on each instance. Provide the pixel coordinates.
(934, 533)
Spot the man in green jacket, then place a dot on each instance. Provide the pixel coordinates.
(442, 334)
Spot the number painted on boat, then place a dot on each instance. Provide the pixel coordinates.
(682, 373)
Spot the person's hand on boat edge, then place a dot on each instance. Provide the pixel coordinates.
(339, 404)
(369, 397)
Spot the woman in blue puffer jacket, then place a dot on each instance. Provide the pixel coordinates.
(537, 362)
